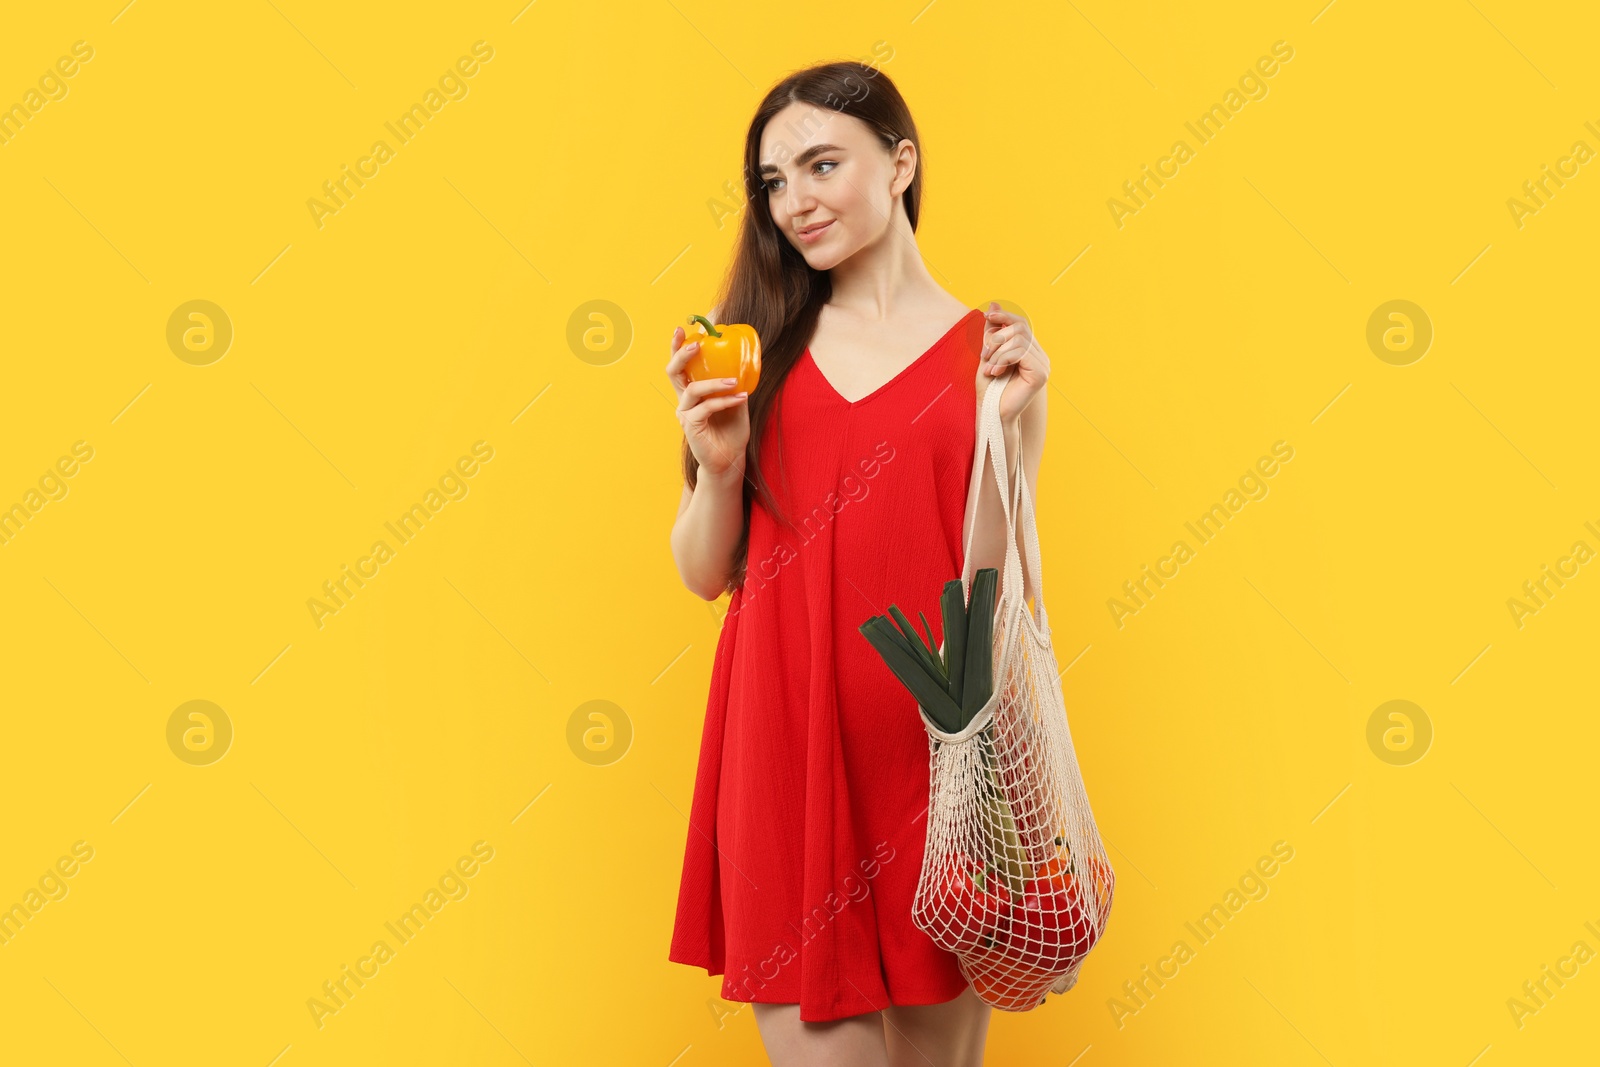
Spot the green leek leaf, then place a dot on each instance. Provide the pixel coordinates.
(933, 646)
(929, 691)
(978, 678)
(954, 608)
(929, 659)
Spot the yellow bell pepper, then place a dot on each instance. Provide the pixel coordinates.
(731, 350)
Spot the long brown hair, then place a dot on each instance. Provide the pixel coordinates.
(769, 284)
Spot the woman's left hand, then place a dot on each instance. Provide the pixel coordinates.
(1009, 348)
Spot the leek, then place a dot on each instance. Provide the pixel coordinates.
(953, 684)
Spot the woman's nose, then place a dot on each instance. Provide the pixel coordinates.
(798, 201)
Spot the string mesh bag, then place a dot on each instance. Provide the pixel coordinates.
(1015, 879)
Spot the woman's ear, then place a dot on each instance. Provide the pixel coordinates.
(905, 166)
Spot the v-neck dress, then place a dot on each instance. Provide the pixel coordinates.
(809, 817)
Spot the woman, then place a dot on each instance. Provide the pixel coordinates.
(840, 486)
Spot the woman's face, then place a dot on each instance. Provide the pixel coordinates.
(827, 173)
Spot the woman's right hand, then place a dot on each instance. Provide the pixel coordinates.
(716, 427)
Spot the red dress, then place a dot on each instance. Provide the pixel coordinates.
(809, 816)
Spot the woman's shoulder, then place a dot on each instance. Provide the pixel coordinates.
(969, 322)
(961, 307)
(951, 309)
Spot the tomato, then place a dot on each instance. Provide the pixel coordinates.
(1057, 869)
(1065, 872)
(1011, 986)
(971, 905)
(1050, 925)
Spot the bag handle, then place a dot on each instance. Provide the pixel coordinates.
(991, 445)
(1017, 504)
(1030, 539)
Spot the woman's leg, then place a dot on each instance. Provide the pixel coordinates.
(951, 1034)
(853, 1042)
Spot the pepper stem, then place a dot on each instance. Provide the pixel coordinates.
(702, 320)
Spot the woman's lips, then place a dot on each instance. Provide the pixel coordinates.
(808, 236)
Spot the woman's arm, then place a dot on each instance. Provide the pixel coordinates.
(1024, 435)
(711, 515)
(710, 520)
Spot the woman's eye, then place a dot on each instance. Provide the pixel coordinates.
(772, 185)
